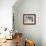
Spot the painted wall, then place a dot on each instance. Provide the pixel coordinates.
(43, 22)
(32, 32)
(6, 13)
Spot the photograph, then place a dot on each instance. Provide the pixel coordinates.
(22, 22)
(29, 19)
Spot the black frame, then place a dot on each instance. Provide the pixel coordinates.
(33, 20)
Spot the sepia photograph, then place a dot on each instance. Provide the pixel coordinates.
(29, 19)
(22, 22)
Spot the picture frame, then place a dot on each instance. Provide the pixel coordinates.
(29, 19)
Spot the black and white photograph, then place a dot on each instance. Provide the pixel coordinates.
(29, 19)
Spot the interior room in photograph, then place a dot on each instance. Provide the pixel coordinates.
(29, 19)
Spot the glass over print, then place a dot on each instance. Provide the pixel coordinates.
(29, 19)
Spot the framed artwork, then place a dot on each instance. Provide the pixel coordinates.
(29, 19)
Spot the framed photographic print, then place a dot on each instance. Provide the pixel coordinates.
(29, 19)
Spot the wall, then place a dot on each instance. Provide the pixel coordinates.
(6, 13)
(29, 31)
(43, 22)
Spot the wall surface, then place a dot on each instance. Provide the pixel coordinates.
(32, 32)
(43, 22)
(6, 13)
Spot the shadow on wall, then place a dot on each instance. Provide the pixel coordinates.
(28, 7)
